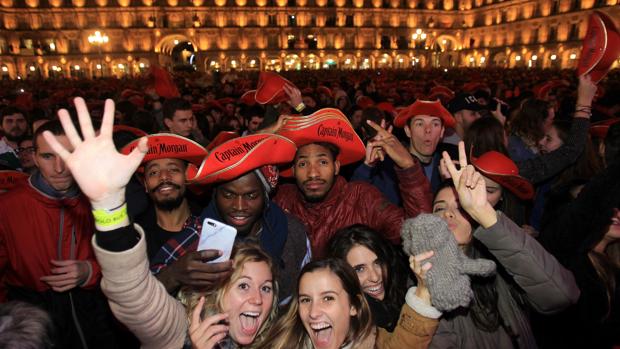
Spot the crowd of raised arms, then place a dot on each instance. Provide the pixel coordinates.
(389, 209)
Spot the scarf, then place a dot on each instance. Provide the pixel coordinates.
(273, 233)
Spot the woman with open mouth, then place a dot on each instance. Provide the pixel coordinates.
(235, 314)
(329, 311)
(379, 268)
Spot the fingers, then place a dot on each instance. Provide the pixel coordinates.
(449, 165)
(196, 314)
(468, 176)
(63, 263)
(56, 146)
(380, 130)
(424, 255)
(462, 155)
(107, 122)
(86, 124)
(69, 128)
(209, 255)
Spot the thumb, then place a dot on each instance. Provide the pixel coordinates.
(209, 255)
(138, 153)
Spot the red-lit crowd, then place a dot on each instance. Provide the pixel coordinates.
(456, 208)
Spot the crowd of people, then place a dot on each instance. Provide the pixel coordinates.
(328, 178)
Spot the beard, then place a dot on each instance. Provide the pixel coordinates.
(13, 138)
(169, 204)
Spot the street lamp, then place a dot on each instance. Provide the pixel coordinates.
(418, 37)
(98, 40)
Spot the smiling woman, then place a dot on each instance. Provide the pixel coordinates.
(329, 311)
(237, 312)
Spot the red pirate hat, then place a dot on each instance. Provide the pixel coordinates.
(324, 90)
(601, 47)
(442, 89)
(133, 130)
(364, 102)
(222, 137)
(430, 108)
(168, 145)
(164, 85)
(270, 88)
(326, 125)
(542, 91)
(387, 107)
(599, 129)
(244, 154)
(9, 179)
(226, 100)
(502, 170)
(248, 98)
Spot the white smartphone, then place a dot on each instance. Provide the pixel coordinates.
(217, 236)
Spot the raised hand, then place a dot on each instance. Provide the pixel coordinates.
(471, 189)
(205, 334)
(420, 268)
(390, 145)
(294, 95)
(101, 172)
(586, 91)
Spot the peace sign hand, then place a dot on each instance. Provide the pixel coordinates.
(101, 172)
(471, 188)
(391, 146)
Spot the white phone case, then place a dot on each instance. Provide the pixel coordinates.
(217, 236)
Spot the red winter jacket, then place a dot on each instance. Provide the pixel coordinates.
(358, 203)
(31, 236)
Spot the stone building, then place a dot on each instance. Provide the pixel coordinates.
(123, 37)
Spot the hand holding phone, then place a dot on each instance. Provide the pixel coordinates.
(217, 236)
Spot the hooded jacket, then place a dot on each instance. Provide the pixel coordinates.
(36, 227)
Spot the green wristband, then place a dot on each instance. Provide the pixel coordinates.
(105, 218)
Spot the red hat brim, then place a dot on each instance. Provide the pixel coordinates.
(242, 155)
(248, 98)
(168, 145)
(327, 125)
(601, 47)
(222, 137)
(501, 169)
(9, 179)
(270, 89)
(421, 107)
(599, 129)
(133, 130)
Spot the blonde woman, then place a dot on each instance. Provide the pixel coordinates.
(236, 314)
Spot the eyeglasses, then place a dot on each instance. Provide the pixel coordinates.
(25, 150)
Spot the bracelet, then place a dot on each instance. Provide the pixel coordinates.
(300, 107)
(106, 218)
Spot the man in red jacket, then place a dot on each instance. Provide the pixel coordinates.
(326, 202)
(46, 258)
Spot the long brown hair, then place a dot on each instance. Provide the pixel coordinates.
(289, 332)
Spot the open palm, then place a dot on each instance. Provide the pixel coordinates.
(101, 172)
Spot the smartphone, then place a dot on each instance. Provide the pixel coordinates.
(216, 235)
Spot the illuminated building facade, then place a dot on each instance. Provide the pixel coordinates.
(123, 37)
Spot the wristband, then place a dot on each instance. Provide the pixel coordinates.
(300, 107)
(107, 218)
